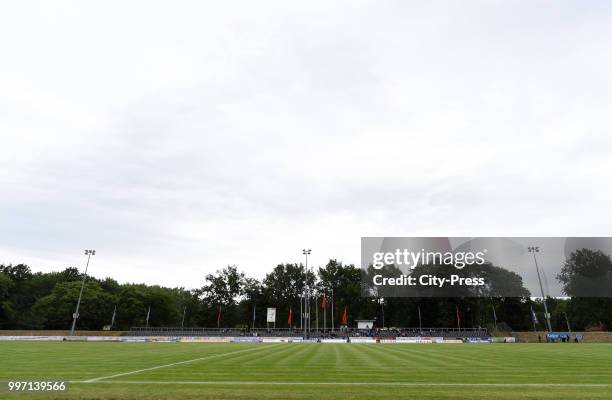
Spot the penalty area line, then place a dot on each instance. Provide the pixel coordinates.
(402, 384)
(138, 371)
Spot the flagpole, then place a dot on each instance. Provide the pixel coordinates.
(301, 312)
(317, 312)
(420, 324)
(332, 309)
(254, 309)
(183, 319)
(148, 313)
(306, 252)
(325, 318)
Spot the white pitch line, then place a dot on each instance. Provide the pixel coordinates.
(94, 380)
(404, 384)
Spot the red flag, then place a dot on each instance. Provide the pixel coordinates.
(458, 317)
(290, 319)
(344, 317)
(324, 302)
(219, 317)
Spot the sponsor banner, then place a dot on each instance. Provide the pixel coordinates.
(385, 340)
(206, 339)
(407, 339)
(502, 339)
(363, 340)
(478, 340)
(163, 339)
(103, 338)
(333, 340)
(278, 339)
(273, 340)
(558, 336)
(75, 338)
(416, 339)
(271, 315)
(457, 341)
(246, 340)
(33, 338)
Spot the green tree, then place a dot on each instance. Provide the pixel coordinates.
(587, 273)
(55, 310)
(6, 306)
(586, 276)
(345, 281)
(283, 288)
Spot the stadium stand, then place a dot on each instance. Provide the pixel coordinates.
(284, 332)
(171, 331)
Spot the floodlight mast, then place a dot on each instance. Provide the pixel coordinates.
(75, 316)
(306, 324)
(534, 250)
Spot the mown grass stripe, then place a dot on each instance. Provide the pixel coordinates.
(209, 357)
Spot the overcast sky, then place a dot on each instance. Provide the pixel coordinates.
(176, 138)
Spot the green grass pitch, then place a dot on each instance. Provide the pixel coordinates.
(311, 371)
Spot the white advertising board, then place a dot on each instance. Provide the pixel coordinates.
(271, 315)
(362, 340)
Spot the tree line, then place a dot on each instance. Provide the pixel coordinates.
(230, 299)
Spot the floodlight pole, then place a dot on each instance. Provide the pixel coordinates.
(332, 310)
(382, 309)
(534, 250)
(306, 252)
(494, 316)
(75, 316)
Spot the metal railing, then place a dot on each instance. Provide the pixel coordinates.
(286, 332)
(178, 331)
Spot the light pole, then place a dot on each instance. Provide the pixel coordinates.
(381, 301)
(75, 316)
(494, 316)
(317, 313)
(569, 329)
(534, 250)
(306, 295)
